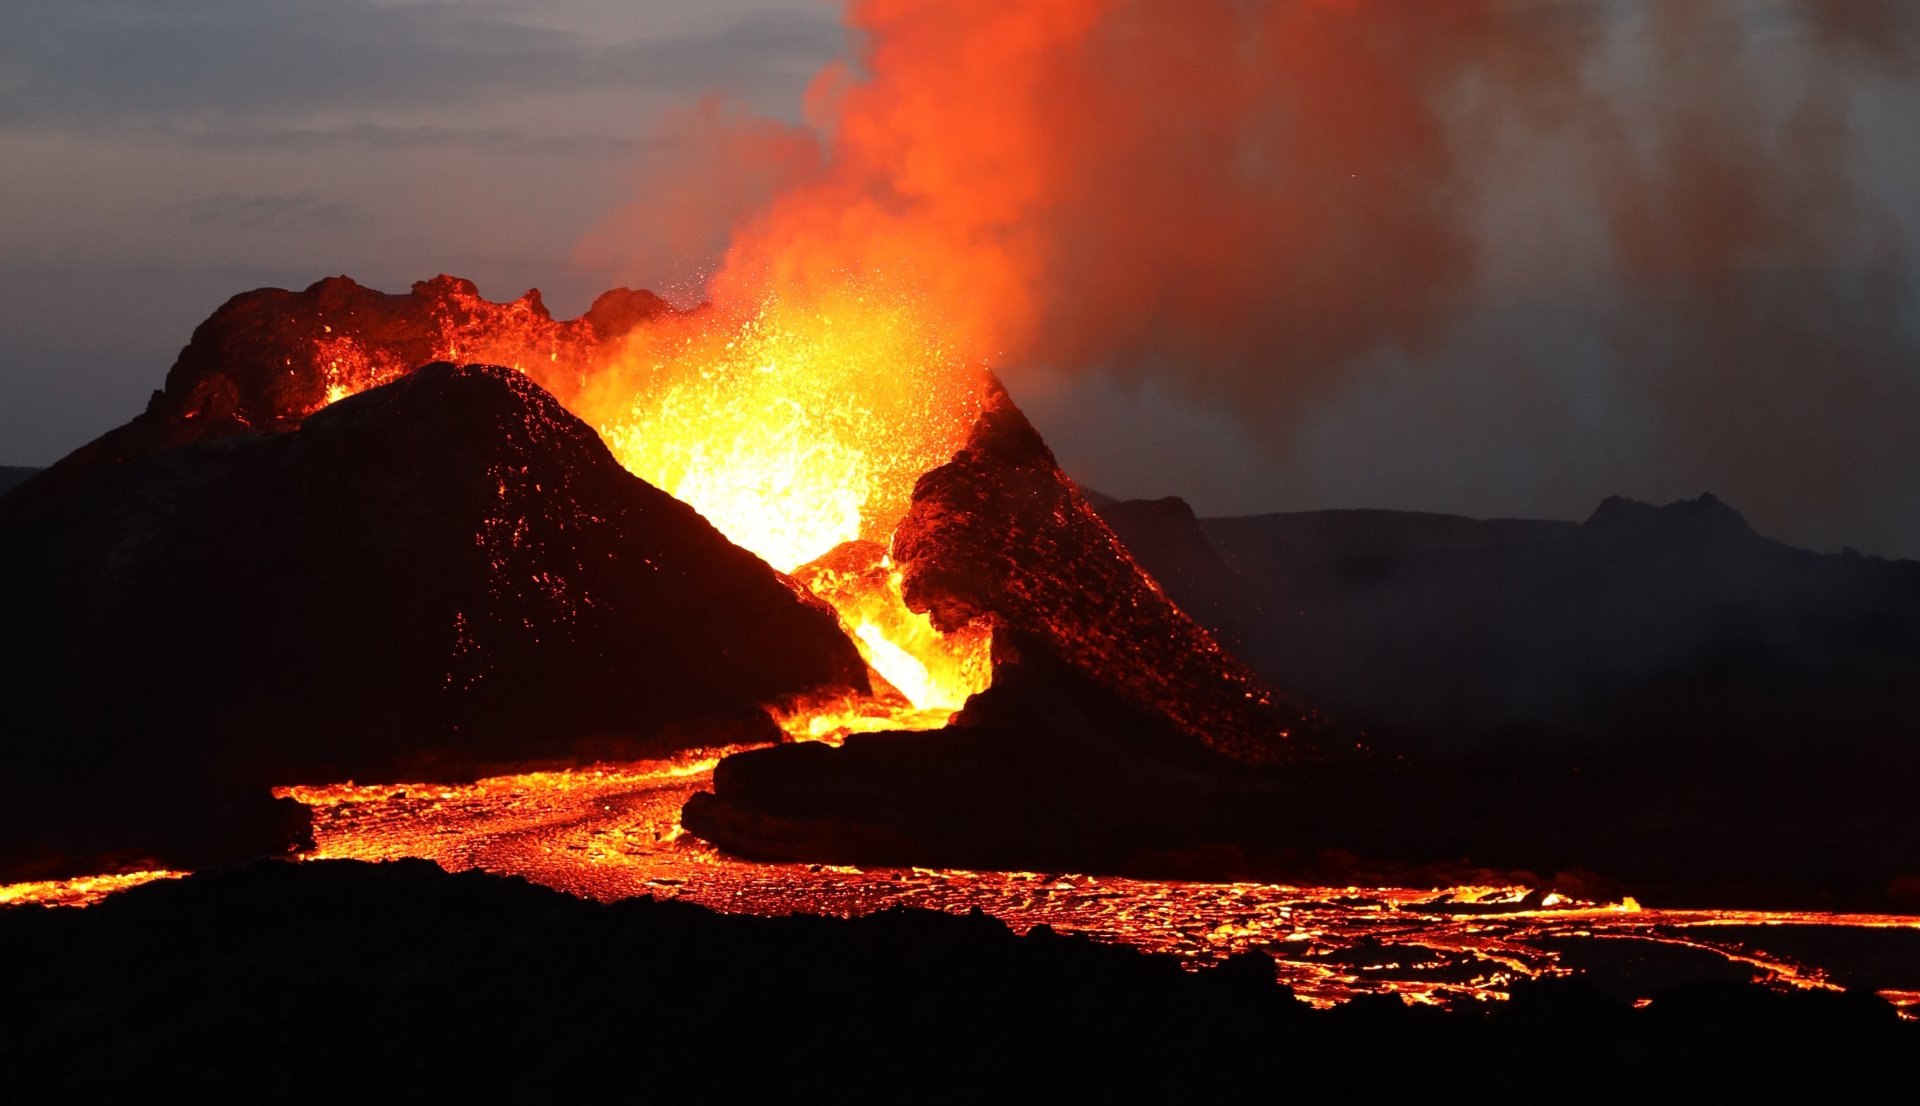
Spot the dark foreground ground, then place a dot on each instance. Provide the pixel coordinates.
(347, 982)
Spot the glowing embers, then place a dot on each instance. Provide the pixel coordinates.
(799, 430)
(360, 350)
(348, 366)
(792, 428)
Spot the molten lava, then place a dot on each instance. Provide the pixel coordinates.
(794, 429)
(791, 428)
(933, 672)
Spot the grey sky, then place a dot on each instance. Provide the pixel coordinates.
(156, 158)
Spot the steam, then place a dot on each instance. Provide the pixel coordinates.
(1245, 202)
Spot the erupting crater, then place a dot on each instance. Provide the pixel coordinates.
(797, 426)
(883, 478)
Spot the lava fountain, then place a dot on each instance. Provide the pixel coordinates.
(798, 428)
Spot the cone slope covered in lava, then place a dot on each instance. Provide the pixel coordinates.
(1001, 532)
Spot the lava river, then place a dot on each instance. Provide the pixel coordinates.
(613, 832)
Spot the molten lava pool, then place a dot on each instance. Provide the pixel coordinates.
(613, 832)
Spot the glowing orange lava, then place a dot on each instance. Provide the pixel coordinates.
(78, 891)
(795, 428)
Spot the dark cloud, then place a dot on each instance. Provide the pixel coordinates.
(79, 62)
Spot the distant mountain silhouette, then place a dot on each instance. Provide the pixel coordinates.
(1097, 498)
(1167, 539)
(1643, 625)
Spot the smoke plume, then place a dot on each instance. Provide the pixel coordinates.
(1244, 201)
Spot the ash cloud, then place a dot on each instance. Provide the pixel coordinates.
(1490, 256)
(1731, 254)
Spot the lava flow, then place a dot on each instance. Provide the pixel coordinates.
(613, 832)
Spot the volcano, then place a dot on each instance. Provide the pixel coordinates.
(847, 565)
(310, 558)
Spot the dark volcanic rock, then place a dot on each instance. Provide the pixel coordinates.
(350, 982)
(443, 574)
(1658, 703)
(269, 358)
(1042, 771)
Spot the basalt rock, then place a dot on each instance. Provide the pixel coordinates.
(1105, 744)
(438, 576)
(1708, 715)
